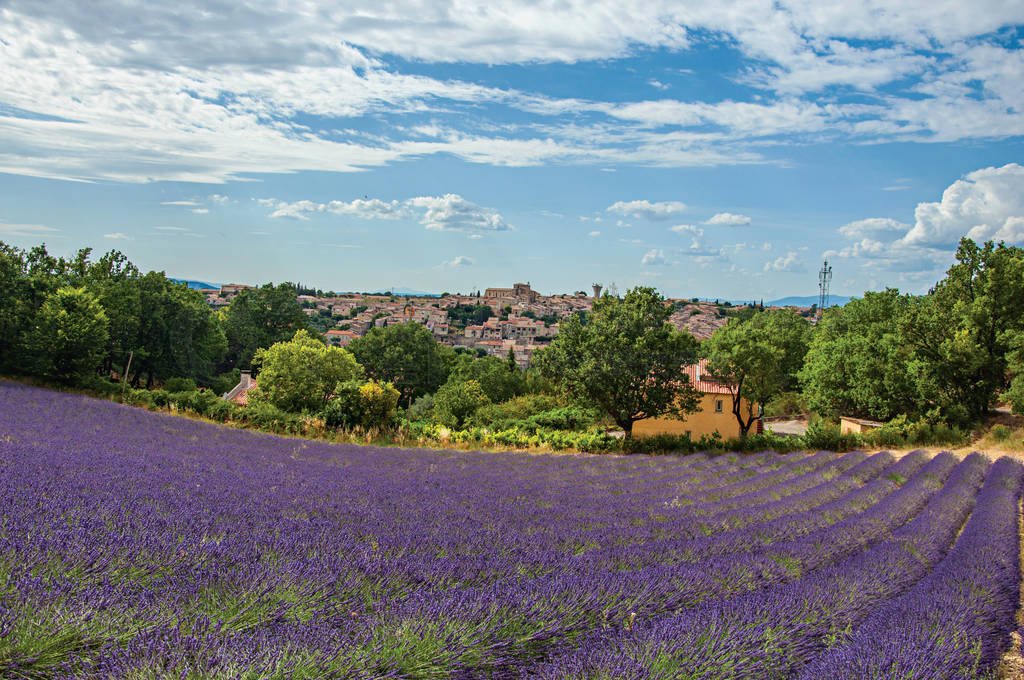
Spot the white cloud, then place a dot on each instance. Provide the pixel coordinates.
(866, 247)
(657, 84)
(452, 212)
(372, 209)
(117, 236)
(594, 233)
(178, 203)
(687, 229)
(458, 261)
(170, 228)
(200, 211)
(145, 103)
(985, 204)
(8, 229)
(475, 237)
(652, 211)
(876, 227)
(728, 219)
(218, 198)
(654, 257)
(788, 263)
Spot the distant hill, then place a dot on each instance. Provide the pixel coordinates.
(807, 301)
(194, 284)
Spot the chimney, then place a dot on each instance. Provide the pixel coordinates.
(245, 379)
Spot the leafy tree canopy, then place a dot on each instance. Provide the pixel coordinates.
(758, 358)
(456, 402)
(260, 317)
(405, 355)
(627, 361)
(499, 381)
(962, 330)
(858, 363)
(302, 373)
(68, 337)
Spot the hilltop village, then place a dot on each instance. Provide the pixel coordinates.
(488, 324)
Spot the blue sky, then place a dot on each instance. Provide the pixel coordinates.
(708, 149)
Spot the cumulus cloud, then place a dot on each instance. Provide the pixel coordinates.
(985, 204)
(728, 219)
(646, 209)
(866, 247)
(449, 212)
(458, 261)
(371, 209)
(788, 263)
(654, 257)
(452, 212)
(874, 227)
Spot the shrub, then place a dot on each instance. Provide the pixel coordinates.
(270, 418)
(221, 411)
(825, 437)
(422, 407)
(1000, 433)
(455, 402)
(180, 385)
(659, 443)
(197, 401)
(786, 404)
(358, 403)
(508, 413)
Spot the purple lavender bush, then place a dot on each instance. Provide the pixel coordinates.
(141, 545)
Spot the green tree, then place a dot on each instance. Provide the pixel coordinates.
(16, 310)
(757, 359)
(960, 331)
(178, 334)
(859, 364)
(456, 402)
(68, 337)
(407, 356)
(115, 281)
(367, 404)
(301, 374)
(498, 381)
(258, 318)
(1015, 367)
(627, 361)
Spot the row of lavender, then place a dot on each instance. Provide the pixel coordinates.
(139, 545)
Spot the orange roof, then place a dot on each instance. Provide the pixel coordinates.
(698, 374)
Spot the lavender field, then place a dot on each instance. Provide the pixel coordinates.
(139, 545)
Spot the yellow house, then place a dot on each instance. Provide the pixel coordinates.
(715, 414)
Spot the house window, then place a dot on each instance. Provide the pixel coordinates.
(718, 406)
(688, 434)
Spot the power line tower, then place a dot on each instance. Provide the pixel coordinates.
(824, 283)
